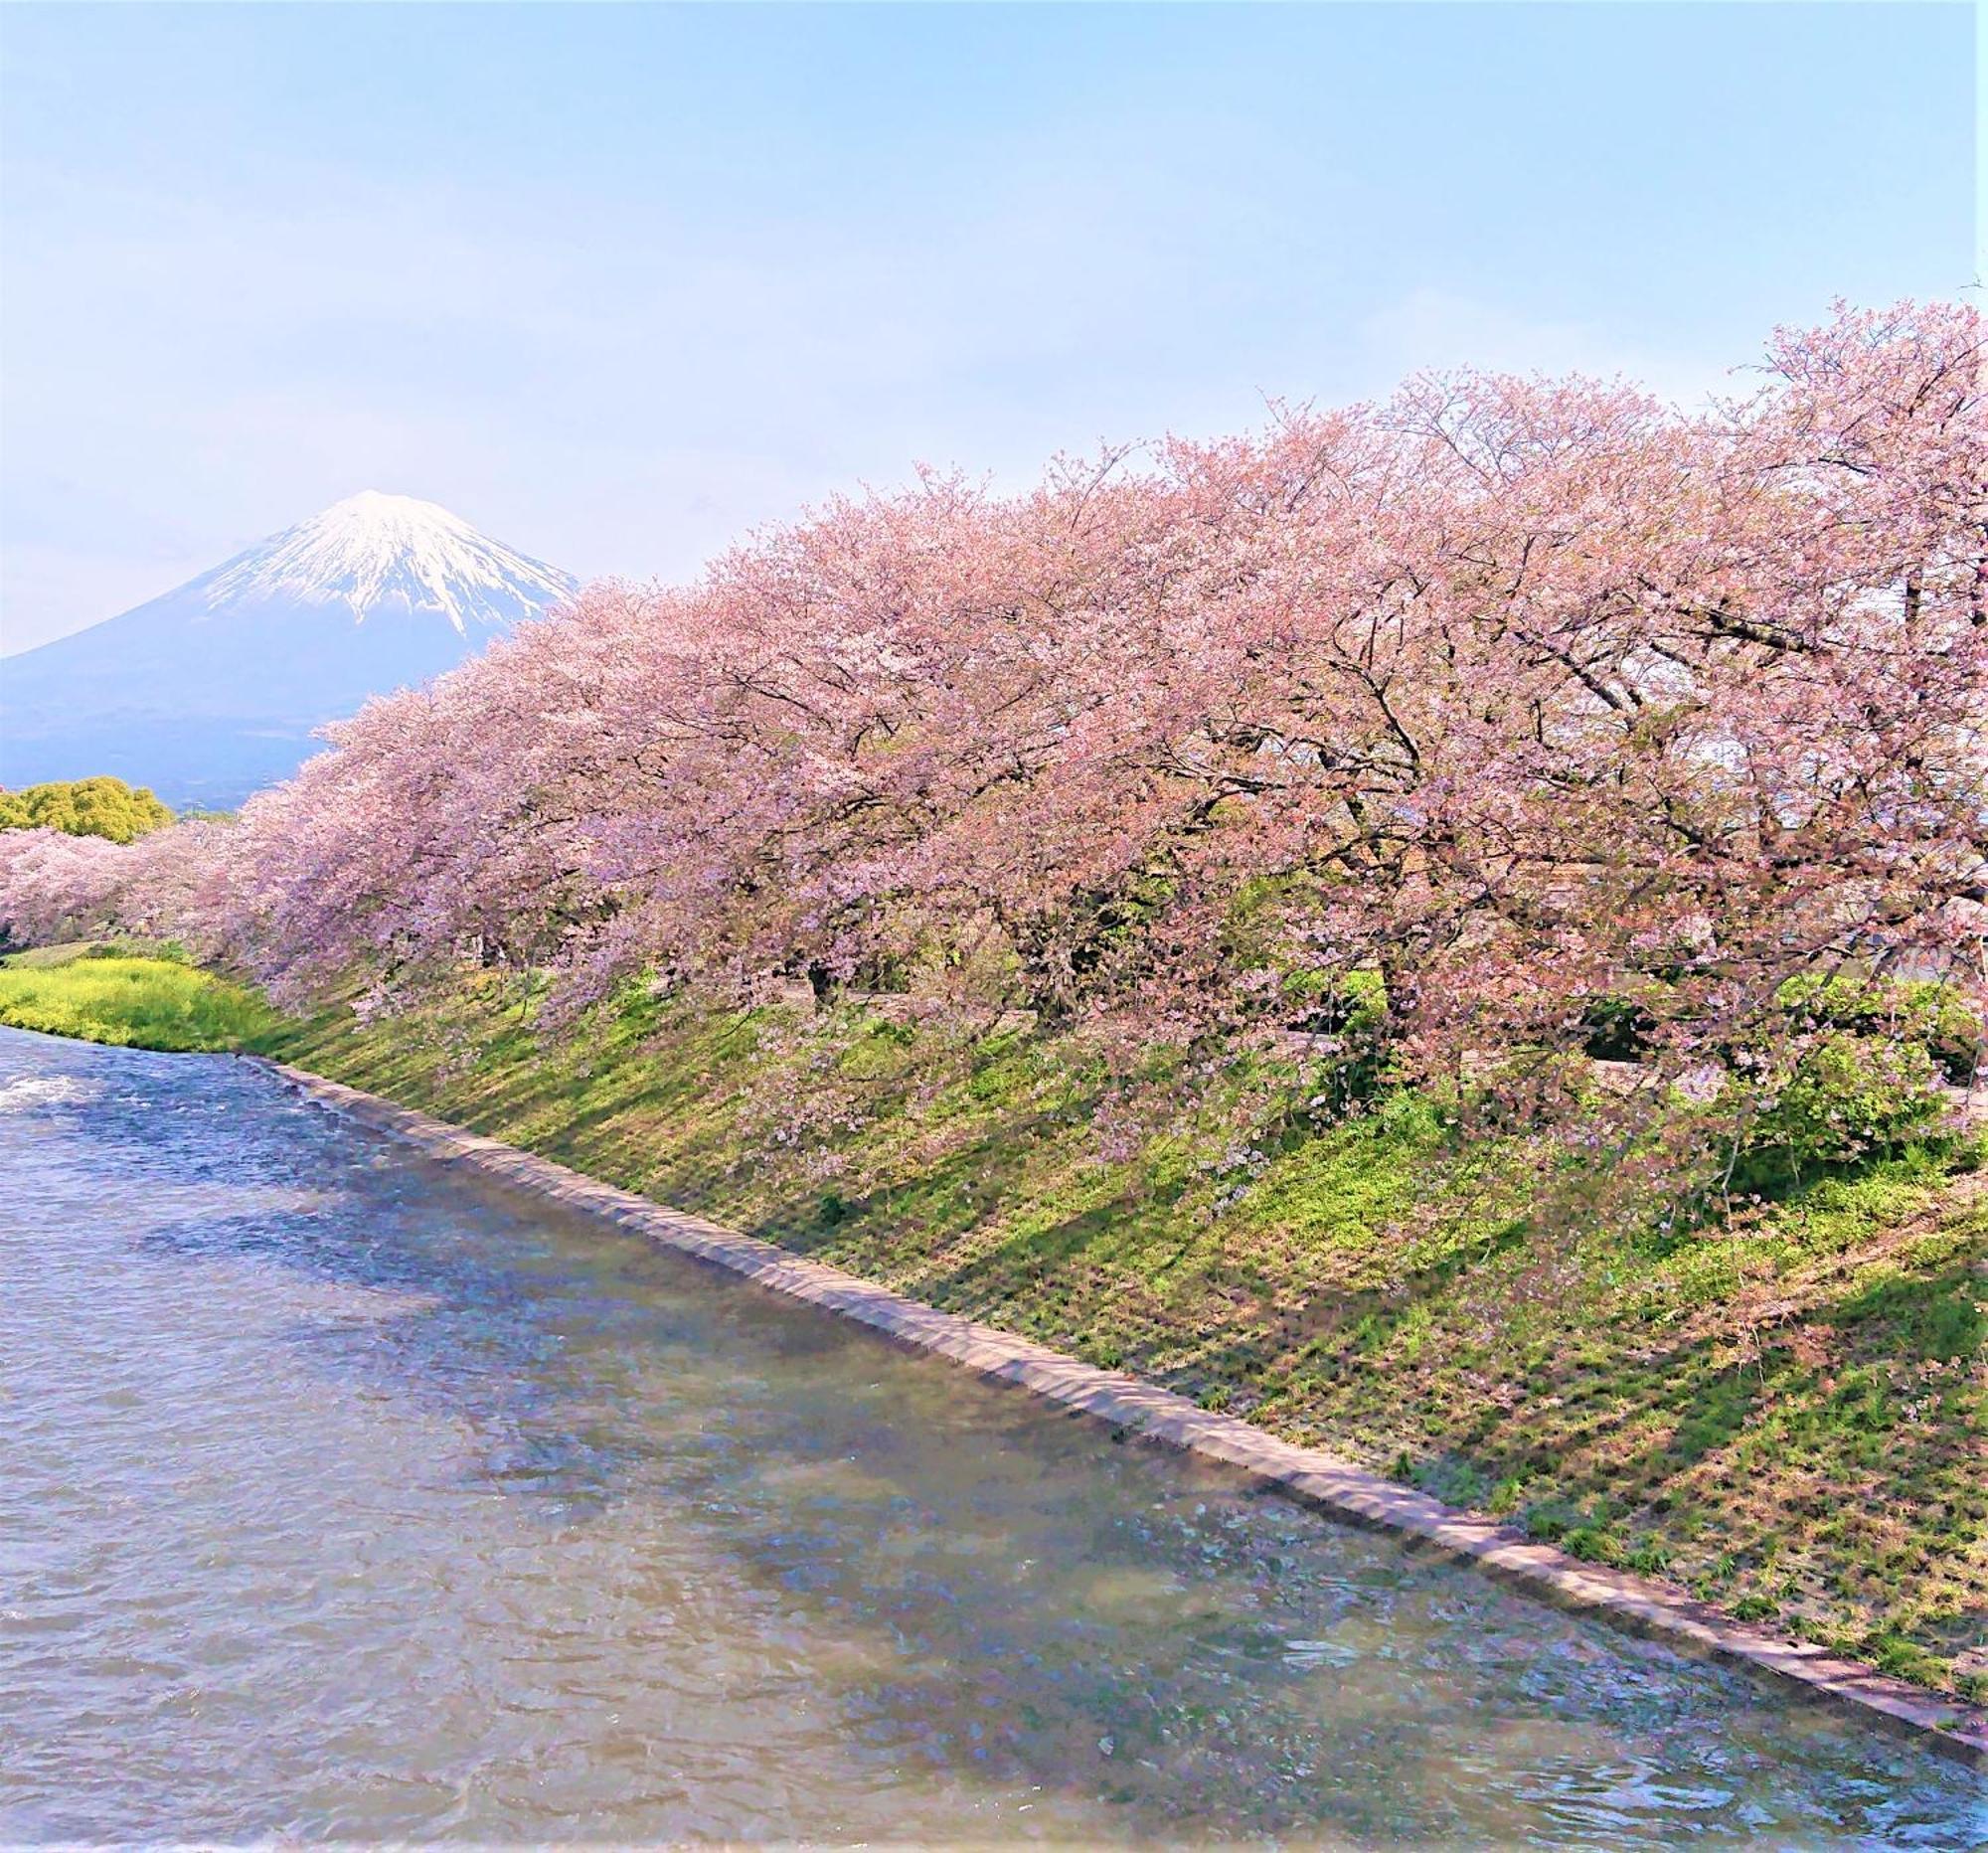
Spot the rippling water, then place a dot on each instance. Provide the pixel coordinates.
(341, 1497)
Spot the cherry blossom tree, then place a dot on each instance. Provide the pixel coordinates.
(1534, 705)
(57, 885)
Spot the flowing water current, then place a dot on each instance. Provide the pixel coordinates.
(342, 1497)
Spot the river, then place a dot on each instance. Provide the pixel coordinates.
(344, 1497)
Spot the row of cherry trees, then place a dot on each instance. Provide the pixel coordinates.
(1518, 694)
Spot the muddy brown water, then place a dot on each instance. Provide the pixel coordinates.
(342, 1497)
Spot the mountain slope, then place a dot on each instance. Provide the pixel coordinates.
(215, 688)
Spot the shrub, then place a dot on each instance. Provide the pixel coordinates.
(1843, 1098)
(1351, 1008)
(1922, 1011)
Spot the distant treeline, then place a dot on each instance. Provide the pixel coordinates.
(105, 807)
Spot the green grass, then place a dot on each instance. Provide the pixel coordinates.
(1785, 1417)
(65, 951)
(130, 1000)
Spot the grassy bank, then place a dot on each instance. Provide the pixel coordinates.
(1785, 1417)
(129, 997)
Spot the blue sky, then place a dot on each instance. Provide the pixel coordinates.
(618, 282)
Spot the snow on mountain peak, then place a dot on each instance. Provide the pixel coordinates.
(374, 550)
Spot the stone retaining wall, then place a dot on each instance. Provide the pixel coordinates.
(1140, 1409)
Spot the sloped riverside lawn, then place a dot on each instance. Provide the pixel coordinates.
(100, 995)
(1786, 1420)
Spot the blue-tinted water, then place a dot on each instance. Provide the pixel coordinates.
(345, 1498)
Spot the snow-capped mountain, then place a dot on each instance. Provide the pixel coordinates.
(215, 688)
(374, 552)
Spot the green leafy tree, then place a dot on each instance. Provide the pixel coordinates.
(105, 807)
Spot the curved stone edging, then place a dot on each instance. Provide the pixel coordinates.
(1312, 1476)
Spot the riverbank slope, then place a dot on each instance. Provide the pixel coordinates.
(1782, 1415)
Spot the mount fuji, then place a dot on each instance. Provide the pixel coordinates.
(213, 689)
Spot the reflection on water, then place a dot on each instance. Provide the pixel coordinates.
(344, 1497)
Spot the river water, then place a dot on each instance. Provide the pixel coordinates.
(343, 1497)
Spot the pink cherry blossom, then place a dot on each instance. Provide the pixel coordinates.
(1514, 692)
